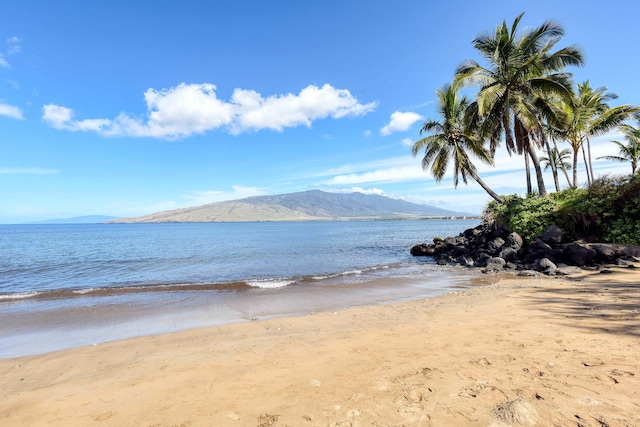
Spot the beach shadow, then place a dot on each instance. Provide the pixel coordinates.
(607, 303)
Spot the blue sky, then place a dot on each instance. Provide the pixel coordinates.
(126, 108)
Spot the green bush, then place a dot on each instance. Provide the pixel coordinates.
(609, 209)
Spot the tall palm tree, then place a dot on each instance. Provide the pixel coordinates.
(558, 158)
(521, 76)
(588, 114)
(629, 152)
(451, 140)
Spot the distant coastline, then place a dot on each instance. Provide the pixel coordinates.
(313, 205)
(85, 219)
(404, 218)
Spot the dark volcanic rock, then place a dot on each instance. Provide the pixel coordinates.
(539, 245)
(514, 240)
(579, 255)
(606, 253)
(495, 264)
(546, 266)
(482, 260)
(552, 235)
(495, 245)
(422, 250)
(465, 261)
(496, 249)
(508, 254)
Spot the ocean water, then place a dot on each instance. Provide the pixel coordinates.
(71, 285)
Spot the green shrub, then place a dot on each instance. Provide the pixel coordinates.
(528, 217)
(609, 209)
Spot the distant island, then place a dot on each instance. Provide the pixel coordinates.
(86, 219)
(312, 205)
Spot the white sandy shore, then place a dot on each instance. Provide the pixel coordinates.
(522, 351)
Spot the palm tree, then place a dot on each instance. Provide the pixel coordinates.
(588, 114)
(558, 159)
(451, 139)
(522, 75)
(629, 152)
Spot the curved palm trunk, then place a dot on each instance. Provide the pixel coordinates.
(542, 190)
(485, 187)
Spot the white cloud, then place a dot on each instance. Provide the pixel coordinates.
(400, 122)
(62, 118)
(10, 111)
(28, 171)
(393, 174)
(277, 112)
(14, 45)
(194, 198)
(189, 109)
(197, 198)
(407, 142)
(374, 191)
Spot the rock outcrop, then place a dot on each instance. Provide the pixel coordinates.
(498, 249)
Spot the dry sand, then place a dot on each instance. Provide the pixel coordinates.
(523, 351)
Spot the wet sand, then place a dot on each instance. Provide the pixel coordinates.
(522, 351)
(44, 324)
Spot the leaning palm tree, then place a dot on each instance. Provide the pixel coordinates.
(629, 152)
(587, 114)
(558, 159)
(521, 76)
(451, 140)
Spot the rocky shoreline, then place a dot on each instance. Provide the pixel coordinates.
(496, 249)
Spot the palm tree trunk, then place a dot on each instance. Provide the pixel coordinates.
(586, 165)
(566, 175)
(554, 166)
(486, 188)
(564, 170)
(590, 162)
(575, 169)
(542, 190)
(527, 172)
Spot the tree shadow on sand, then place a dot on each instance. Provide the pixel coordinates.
(600, 303)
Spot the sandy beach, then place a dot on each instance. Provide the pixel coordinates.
(519, 351)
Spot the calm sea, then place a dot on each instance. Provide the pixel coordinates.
(70, 285)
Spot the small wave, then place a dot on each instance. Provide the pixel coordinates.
(122, 290)
(350, 272)
(270, 284)
(355, 272)
(18, 296)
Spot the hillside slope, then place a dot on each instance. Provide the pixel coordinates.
(303, 206)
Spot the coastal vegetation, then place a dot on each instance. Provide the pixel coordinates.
(608, 210)
(527, 102)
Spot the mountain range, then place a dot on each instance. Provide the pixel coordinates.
(303, 206)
